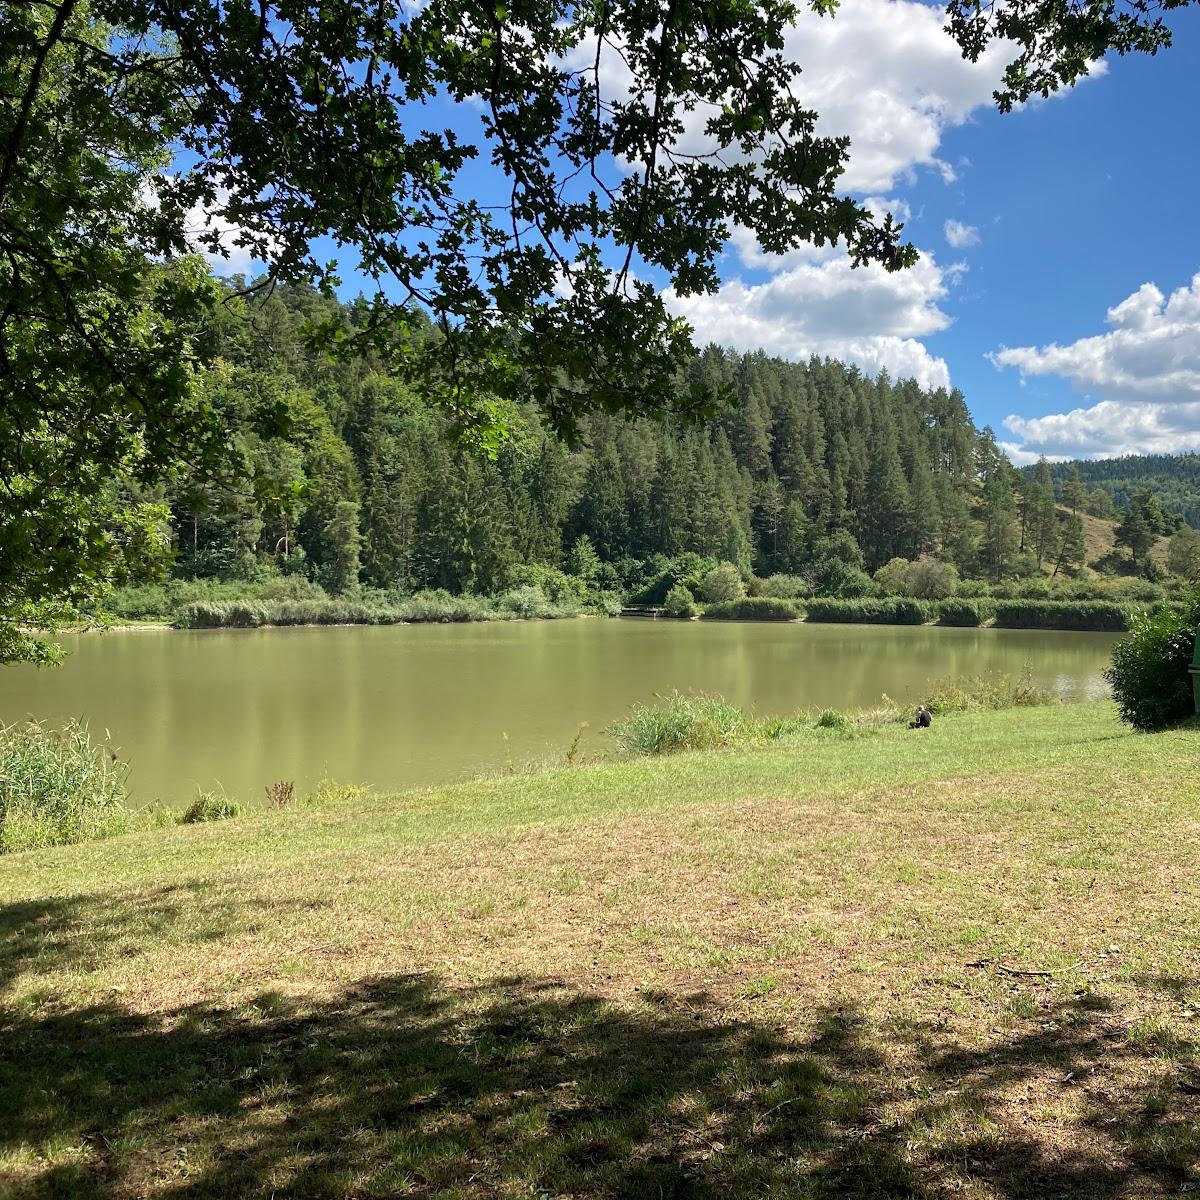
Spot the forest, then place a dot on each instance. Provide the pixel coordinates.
(1173, 478)
(343, 475)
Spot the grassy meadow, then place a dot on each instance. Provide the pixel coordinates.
(848, 963)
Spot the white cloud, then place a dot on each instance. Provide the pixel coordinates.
(882, 72)
(1145, 372)
(238, 258)
(1109, 428)
(887, 75)
(816, 303)
(961, 236)
(1020, 457)
(201, 219)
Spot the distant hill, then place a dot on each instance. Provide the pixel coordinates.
(1173, 478)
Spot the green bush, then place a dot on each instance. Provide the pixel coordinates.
(922, 578)
(439, 606)
(887, 610)
(1103, 615)
(165, 601)
(830, 718)
(57, 787)
(722, 583)
(1144, 591)
(753, 608)
(962, 612)
(1149, 671)
(786, 587)
(688, 570)
(973, 588)
(555, 585)
(205, 614)
(680, 602)
(424, 606)
(210, 806)
(526, 601)
(682, 723)
(604, 604)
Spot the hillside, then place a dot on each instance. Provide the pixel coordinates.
(1100, 537)
(1173, 478)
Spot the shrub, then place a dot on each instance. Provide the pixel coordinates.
(722, 583)
(440, 606)
(830, 718)
(923, 578)
(244, 614)
(993, 691)
(786, 587)
(832, 577)
(1060, 614)
(835, 568)
(383, 608)
(210, 806)
(753, 608)
(962, 612)
(976, 588)
(888, 610)
(526, 601)
(555, 585)
(141, 602)
(680, 602)
(604, 604)
(57, 787)
(281, 793)
(212, 615)
(1144, 590)
(1149, 671)
(688, 570)
(682, 723)
(165, 601)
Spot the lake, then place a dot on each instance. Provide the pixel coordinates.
(405, 706)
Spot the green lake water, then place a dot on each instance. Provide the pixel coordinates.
(406, 706)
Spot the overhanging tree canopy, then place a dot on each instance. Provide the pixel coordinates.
(631, 135)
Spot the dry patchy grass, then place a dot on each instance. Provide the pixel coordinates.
(957, 962)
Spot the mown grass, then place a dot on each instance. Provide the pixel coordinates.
(783, 971)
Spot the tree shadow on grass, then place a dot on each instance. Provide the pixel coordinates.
(84, 932)
(405, 1086)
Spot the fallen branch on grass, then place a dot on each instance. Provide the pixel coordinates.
(1007, 970)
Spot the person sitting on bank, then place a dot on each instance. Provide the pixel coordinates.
(924, 718)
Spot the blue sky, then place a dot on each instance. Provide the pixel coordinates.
(1078, 203)
(1059, 242)
(1033, 226)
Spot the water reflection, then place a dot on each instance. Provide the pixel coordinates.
(405, 706)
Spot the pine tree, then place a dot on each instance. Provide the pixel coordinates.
(1074, 492)
(1043, 514)
(1001, 538)
(1070, 544)
(1141, 525)
(601, 511)
(341, 531)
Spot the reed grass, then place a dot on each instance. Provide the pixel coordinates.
(58, 786)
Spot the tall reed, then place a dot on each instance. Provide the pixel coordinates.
(58, 786)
